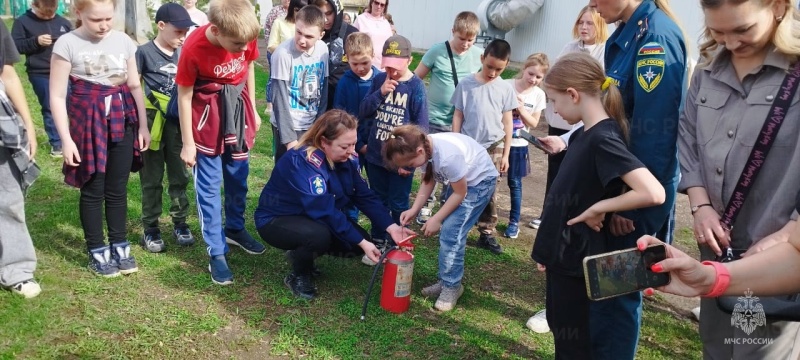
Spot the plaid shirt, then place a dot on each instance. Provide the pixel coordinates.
(92, 125)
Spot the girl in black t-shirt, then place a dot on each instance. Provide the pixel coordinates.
(589, 186)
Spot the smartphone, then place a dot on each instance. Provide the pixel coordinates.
(533, 140)
(623, 272)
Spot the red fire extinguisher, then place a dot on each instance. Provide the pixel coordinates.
(396, 285)
(397, 274)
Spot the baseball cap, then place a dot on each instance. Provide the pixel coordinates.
(396, 52)
(172, 13)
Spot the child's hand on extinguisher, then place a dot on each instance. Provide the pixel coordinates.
(370, 250)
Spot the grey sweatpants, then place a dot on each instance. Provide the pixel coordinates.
(17, 256)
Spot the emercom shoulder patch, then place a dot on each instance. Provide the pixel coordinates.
(317, 185)
(650, 66)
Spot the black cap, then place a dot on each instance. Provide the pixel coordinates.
(172, 13)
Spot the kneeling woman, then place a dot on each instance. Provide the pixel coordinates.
(300, 208)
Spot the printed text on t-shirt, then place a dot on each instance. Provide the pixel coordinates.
(390, 114)
(231, 68)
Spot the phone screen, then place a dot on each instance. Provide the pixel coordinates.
(533, 140)
(622, 272)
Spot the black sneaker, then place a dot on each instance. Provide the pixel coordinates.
(182, 234)
(56, 152)
(121, 256)
(315, 271)
(301, 285)
(490, 243)
(243, 240)
(100, 262)
(151, 240)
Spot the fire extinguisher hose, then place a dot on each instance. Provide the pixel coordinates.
(372, 282)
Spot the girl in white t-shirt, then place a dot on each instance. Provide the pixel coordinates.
(532, 101)
(463, 163)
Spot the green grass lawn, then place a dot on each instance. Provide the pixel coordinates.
(170, 309)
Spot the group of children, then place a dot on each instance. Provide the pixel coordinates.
(199, 112)
(118, 112)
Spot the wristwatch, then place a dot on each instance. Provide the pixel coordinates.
(697, 207)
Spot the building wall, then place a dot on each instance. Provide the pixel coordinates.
(427, 22)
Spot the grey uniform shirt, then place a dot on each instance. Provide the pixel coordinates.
(721, 121)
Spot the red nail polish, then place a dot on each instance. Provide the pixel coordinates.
(657, 268)
(648, 292)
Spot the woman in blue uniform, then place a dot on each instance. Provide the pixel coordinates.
(300, 208)
(646, 58)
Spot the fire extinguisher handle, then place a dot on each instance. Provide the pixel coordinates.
(372, 281)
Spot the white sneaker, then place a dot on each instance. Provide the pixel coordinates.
(448, 298)
(696, 313)
(538, 323)
(367, 261)
(535, 223)
(28, 289)
(424, 215)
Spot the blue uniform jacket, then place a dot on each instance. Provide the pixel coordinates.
(350, 91)
(646, 58)
(309, 186)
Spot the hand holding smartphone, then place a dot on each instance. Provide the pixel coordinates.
(622, 272)
(533, 140)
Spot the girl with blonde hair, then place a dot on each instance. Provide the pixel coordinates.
(590, 185)
(103, 127)
(750, 46)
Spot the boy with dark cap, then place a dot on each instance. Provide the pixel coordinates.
(157, 61)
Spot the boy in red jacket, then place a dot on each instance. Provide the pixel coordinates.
(216, 103)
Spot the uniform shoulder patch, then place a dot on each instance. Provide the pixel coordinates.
(317, 185)
(315, 160)
(650, 66)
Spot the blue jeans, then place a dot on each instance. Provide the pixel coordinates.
(41, 87)
(453, 235)
(515, 192)
(624, 313)
(392, 189)
(210, 173)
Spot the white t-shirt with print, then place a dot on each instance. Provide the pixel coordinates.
(305, 74)
(457, 156)
(103, 62)
(535, 101)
